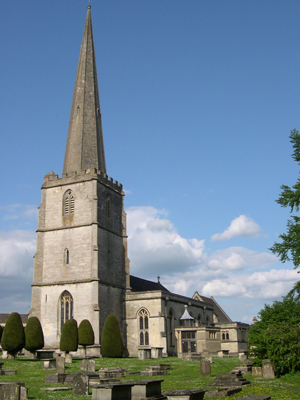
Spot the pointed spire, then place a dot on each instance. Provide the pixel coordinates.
(85, 147)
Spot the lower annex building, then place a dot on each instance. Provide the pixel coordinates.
(81, 268)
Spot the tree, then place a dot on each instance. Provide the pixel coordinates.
(86, 335)
(111, 341)
(34, 337)
(1, 331)
(69, 336)
(13, 337)
(276, 336)
(289, 248)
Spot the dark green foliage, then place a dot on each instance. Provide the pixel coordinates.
(1, 331)
(111, 341)
(69, 336)
(34, 337)
(86, 335)
(289, 248)
(13, 337)
(276, 336)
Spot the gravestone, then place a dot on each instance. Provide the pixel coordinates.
(243, 357)
(91, 366)
(254, 397)
(10, 392)
(146, 388)
(68, 358)
(83, 365)
(204, 367)
(23, 393)
(196, 394)
(60, 365)
(4, 354)
(268, 369)
(257, 371)
(81, 383)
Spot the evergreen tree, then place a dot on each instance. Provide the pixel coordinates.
(1, 331)
(69, 336)
(34, 337)
(86, 335)
(13, 337)
(289, 248)
(111, 341)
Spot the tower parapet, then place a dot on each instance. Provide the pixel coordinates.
(52, 179)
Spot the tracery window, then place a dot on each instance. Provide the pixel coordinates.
(66, 308)
(143, 320)
(68, 205)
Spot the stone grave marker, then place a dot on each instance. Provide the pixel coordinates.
(257, 371)
(10, 392)
(91, 366)
(268, 369)
(83, 365)
(254, 397)
(204, 367)
(60, 365)
(68, 358)
(81, 383)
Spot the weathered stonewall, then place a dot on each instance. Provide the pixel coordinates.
(81, 383)
(268, 369)
(204, 367)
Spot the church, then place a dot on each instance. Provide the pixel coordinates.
(81, 267)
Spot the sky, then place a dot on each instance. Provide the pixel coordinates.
(198, 99)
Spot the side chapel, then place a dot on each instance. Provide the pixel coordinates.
(81, 267)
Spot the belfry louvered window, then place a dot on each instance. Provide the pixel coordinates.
(69, 203)
(143, 322)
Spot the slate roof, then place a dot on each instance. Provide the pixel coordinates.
(143, 285)
(218, 310)
(4, 317)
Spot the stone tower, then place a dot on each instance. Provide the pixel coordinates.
(81, 269)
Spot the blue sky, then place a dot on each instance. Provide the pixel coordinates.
(198, 99)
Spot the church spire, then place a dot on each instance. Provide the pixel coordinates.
(85, 147)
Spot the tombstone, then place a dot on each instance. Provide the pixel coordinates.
(257, 371)
(204, 367)
(10, 392)
(49, 364)
(268, 369)
(68, 358)
(195, 394)
(23, 393)
(118, 391)
(91, 366)
(146, 388)
(81, 383)
(156, 352)
(4, 354)
(209, 359)
(83, 365)
(243, 357)
(60, 365)
(254, 397)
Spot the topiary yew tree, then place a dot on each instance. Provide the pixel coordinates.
(34, 337)
(13, 337)
(1, 331)
(69, 336)
(86, 335)
(111, 341)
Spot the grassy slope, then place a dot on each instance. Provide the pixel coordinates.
(184, 375)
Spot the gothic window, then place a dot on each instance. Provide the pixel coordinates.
(108, 206)
(143, 323)
(67, 257)
(66, 308)
(223, 336)
(68, 204)
(227, 335)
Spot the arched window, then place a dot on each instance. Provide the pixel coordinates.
(108, 206)
(227, 335)
(66, 308)
(223, 336)
(143, 322)
(68, 206)
(67, 257)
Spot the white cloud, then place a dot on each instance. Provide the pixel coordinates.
(155, 246)
(19, 211)
(240, 226)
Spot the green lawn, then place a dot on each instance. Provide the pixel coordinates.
(184, 375)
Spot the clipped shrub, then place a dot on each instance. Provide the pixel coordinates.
(111, 341)
(69, 336)
(86, 335)
(13, 337)
(1, 331)
(34, 337)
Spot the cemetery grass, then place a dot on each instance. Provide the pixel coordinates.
(184, 375)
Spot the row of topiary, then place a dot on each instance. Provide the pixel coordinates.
(14, 337)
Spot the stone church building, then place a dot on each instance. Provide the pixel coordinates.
(81, 267)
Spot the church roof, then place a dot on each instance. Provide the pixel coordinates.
(4, 317)
(223, 318)
(85, 147)
(143, 285)
(186, 314)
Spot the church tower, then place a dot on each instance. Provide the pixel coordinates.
(81, 269)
